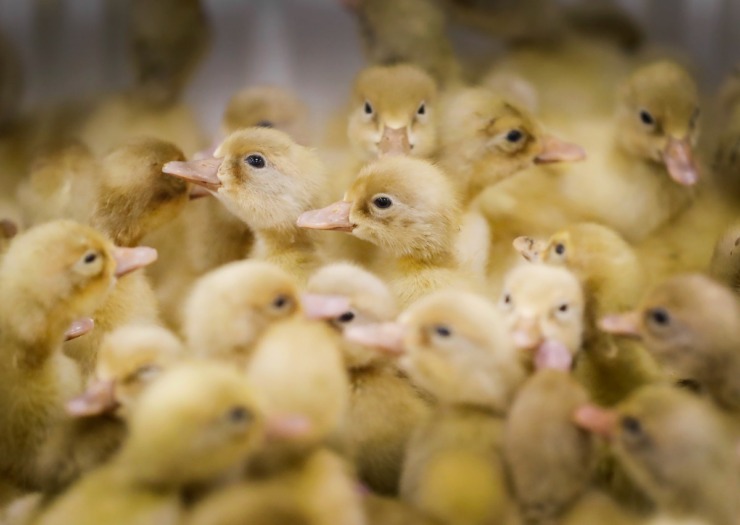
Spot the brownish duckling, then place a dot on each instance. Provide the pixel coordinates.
(384, 407)
(690, 324)
(50, 276)
(673, 445)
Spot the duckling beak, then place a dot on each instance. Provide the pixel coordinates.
(529, 247)
(597, 420)
(527, 334)
(324, 307)
(556, 150)
(679, 160)
(387, 337)
(279, 428)
(334, 217)
(197, 192)
(79, 328)
(553, 355)
(395, 141)
(131, 259)
(98, 399)
(203, 172)
(627, 324)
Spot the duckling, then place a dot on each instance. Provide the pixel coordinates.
(651, 155)
(50, 275)
(267, 180)
(613, 279)
(689, 324)
(454, 345)
(8, 230)
(725, 266)
(130, 359)
(190, 426)
(412, 31)
(407, 207)
(673, 445)
(384, 406)
(598, 507)
(391, 511)
(230, 308)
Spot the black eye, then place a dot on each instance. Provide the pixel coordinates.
(631, 425)
(560, 248)
(382, 202)
(659, 316)
(239, 414)
(90, 258)
(563, 308)
(442, 331)
(346, 317)
(281, 301)
(507, 299)
(514, 135)
(646, 118)
(422, 109)
(265, 124)
(256, 161)
(368, 108)
(690, 385)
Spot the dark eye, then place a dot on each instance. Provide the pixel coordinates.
(507, 299)
(422, 109)
(442, 331)
(346, 317)
(239, 414)
(689, 384)
(382, 202)
(563, 308)
(281, 301)
(514, 135)
(90, 258)
(265, 124)
(368, 108)
(659, 316)
(631, 425)
(560, 248)
(256, 161)
(646, 118)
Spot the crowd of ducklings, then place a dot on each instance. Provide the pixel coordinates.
(528, 316)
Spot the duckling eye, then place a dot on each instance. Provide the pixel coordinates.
(265, 124)
(631, 425)
(239, 415)
(382, 202)
(442, 331)
(422, 109)
(346, 317)
(514, 136)
(90, 257)
(256, 161)
(560, 248)
(281, 301)
(368, 108)
(563, 308)
(646, 118)
(659, 316)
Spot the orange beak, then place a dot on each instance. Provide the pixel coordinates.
(98, 399)
(627, 324)
(556, 150)
(131, 259)
(395, 141)
(203, 172)
(597, 420)
(387, 337)
(334, 217)
(679, 161)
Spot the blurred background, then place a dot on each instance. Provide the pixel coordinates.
(76, 48)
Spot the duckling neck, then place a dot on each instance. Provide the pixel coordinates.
(414, 262)
(34, 335)
(275, 241)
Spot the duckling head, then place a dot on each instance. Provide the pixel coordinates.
(496, 138)
(231, 307)
(657, 119)
(193, 424)
(404, 205)
(260, 175)
(129, 360)
(542, 303)
(134, 197)
(60, 271)
(393, 112)
(346, 296)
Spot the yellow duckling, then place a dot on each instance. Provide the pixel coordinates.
(408, 208)
(50, 276)
(613, 279)
(384, 407)
(267, 180)
(230, 308)
(725, 263)
(191, 426)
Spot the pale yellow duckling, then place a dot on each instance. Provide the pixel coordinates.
(613, 279)
(50, 276)
(384, 407)
(455, 345)
(267, 180)
(408, 208)
(191, 426)
(675, 448)
(230, 308)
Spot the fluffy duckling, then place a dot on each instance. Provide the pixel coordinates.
(230, 308)
(455, 345)
(613, 279)
(50, 276)
(689, 323)
(654, 132)
(672, 445)
(725, 263)
(384, 407)
(267, 180)
(407, 207)
(192, 425)
(595, 507)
